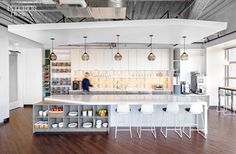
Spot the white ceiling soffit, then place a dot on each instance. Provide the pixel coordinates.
(165, 31)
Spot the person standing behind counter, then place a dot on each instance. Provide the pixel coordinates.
(86, 83)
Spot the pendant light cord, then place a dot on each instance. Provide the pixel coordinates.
(118, 43)
(184, 42)
(52, 39)
(85, 44)
(151, 41)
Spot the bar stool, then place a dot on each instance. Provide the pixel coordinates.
(123, 109)
(194, 110)
(172, 109)
(225, 95)
(146, 110)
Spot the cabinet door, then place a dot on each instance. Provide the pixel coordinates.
(132, 59)
(107, 59)
(140, 59)
(165, 59)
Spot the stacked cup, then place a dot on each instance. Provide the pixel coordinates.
(98, 123)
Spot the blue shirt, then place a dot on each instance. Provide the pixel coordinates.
(86, 84)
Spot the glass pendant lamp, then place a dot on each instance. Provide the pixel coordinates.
(118, 56)
(184, 55)
(52, 55)
(151, 56)
(85, 56)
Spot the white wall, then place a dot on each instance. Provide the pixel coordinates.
(4, 76)
(215, 72)
(196, 62)
(133, 59)
(31, 75)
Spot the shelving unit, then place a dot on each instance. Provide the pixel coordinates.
(63, 116)
(46, 75)
(61, 73)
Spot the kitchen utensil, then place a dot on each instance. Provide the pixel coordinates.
(73, 114)
(84, 113)
(87, 125)
(99, 122)
(60, 124)
(54, 125)
(72, 125)
(40, 113)
(105, 124)
(90, 113)
(98, 126)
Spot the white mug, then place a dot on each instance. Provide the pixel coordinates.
(90, 113)
(45, 114)
(40, 113)
(84, 113)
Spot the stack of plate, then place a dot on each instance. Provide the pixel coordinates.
(87, 125)
(73, 114)
(72, 125)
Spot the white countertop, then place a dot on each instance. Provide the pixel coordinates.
(118, 99)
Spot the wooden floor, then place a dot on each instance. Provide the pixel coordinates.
(16, 137)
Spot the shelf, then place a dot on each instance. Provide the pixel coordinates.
(40, 117)
(85, 117)
(60, 85)
(101, 117)
(71, 117)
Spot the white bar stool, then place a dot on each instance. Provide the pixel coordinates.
(146, 110)
(195, 110)
(172, 109)
(123, 109)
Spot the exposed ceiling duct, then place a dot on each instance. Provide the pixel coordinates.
(97, 9)
(100, 9)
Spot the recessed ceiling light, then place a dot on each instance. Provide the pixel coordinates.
(16, 44)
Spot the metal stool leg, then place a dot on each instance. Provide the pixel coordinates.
(164, 134)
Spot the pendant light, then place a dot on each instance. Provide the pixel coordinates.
(118, 56)
(85, 56)
(52, 55)
(151, 56)
(184, 55)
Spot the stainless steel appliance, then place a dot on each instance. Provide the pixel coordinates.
(198, 83)
(76, 85)
(185, 88)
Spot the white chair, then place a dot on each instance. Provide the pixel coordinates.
(146, 110)
(194, 110)
(171, 109)
(123, 110)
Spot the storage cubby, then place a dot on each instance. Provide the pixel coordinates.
(38, 108)
(103, 120)
(98, 111)
(67, 121)
(86, 108)
(84, 120)
(55, 121)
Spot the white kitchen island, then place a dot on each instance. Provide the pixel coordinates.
(135, 101)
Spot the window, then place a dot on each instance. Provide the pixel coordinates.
(230, 69)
